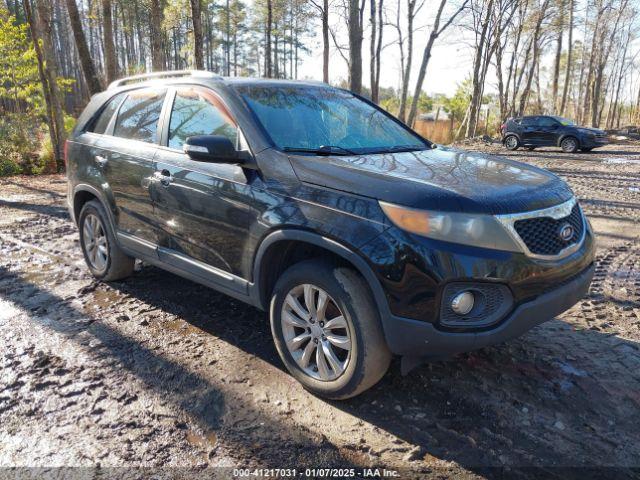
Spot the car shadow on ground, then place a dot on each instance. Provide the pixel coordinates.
(49, 210)
(203, 401)
(538, 400)
(50, 193)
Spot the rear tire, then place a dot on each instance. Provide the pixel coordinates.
(311, 344)
(511, 142)
(105, 259)
(569, 145)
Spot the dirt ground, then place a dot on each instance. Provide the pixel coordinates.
(158, 372)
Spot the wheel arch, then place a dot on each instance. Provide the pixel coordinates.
(512, 134)
(273, 247)
(566, 135)
(84, 193)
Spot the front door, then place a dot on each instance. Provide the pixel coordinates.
(548, 131)
(201, 208)
(128, 163)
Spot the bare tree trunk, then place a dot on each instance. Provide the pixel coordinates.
(377, 26)
(325, 41)
(235, 52)
(637, 112)
(379, 46)
(476, 96)
(524, 98)
(88, 68)
(502, 95)
(620, 77)
(605, 52)
(436, 31)
(513, 64)
(567, 76)
(355, 46)
(196, 19)
(228, 41)
(276, 66)
(398, 27)
(556, 63)
(41, 34)
(406, 74)
(372, 51)
(577, 105)
(268, 69)
(110, 59)
(158, 61)
(500, 44)
(595, 50)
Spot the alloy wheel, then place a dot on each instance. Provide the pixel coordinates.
(511, 142)
(569, 145)
(95, 242)
(316, 332)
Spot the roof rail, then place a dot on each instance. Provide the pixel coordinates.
(168, 74)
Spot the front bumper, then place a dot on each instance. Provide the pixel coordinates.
(593, 142)
(414, 338)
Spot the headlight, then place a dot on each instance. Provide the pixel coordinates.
(467, 229)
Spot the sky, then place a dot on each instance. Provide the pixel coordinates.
(451, 61)
(450, 64)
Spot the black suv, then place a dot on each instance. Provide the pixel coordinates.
(550, 131)
(360, 238)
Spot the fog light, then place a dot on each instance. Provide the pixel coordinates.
(462, 303)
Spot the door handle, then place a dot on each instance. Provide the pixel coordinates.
(101, 161)
(164, 177)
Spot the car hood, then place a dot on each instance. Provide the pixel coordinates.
(595, 131)
(439, 179)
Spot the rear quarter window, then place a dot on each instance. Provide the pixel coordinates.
(102, 122)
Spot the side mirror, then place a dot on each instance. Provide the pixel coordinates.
(211, 148)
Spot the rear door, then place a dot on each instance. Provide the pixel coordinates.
(529, 130)
(202, 208)
(128, 166)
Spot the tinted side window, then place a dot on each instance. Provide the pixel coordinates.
(139, 114)
(197, 111)
(529, 121)
(100, 126)
(546, 122)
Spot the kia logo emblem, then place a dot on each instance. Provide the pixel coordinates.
(566, 232)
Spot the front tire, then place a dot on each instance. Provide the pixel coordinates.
(327, 330)
(103, 256)
(569, 145)
(511, 142)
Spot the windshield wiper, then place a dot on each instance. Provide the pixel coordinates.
(400, 148)
(322, 150)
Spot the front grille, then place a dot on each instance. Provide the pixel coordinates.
(542, 236)
(492, 302)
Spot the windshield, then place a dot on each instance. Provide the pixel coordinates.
(565, 121)
(325, 120)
